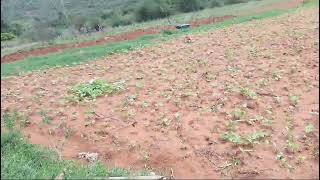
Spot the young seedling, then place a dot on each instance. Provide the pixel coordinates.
(291, 145)
(46, 119)
(276, 76)
(238, 114)
(309, 129)
(283, 161)
(248, 139)
(294, 100)
(248, 93)
(231, 125)
(9, 119)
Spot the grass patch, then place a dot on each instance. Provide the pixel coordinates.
(309, 129)
(248, 93)
(294, 100)
(72, 56)
(21, 160)
(93, 89)
(248, 139)
(80, 55)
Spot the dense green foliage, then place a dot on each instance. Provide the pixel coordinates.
(7, 36)
(94, 89)
(43, 20)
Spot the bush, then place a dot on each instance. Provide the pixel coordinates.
(117, 19)
(17, 28)
(93, 89)
(227, 2)
(216, 3)
(7, 36)
(154, 9)
(189, 5)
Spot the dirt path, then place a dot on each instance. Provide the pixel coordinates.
(179, 101)
(109, 39)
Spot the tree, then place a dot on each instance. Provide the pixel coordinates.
(188, 5)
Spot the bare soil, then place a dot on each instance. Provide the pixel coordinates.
(179, 98)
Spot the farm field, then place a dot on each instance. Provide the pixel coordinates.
(235, 102)
(18, 49)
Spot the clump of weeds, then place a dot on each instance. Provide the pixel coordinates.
(283, 161)
(46, 119)
(291, 145)
(11, 118)
(309, 129)
(93, 89)
(249, 139)
(294, 100)
(238, 114)
(248, 93)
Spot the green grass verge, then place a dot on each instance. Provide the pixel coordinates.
(80, 55)
(71, 56)
(21, 160)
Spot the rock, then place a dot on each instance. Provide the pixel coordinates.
(90, 157)
(252, 105)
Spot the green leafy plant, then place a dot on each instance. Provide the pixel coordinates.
(255, 137)
(238, 114)
(291, 145)
(248, 139)
(46, 119)
(309, 128)
(248, 93)
(7, 36)
(9, 119)
(93, 89)
(231, 125)
(233, 138)
(294, 100)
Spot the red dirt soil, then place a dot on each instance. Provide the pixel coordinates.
(108, 39)
(179, 99)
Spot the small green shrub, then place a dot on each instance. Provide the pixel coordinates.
(233, 138)
(168, 32)
(248, 139)
(154, 9)
(9, 119)
(248, 93)
(7, 36)
(309, 128)
(238, 114)
(294, 100)
(93, 89)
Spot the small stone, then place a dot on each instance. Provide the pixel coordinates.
(252, 105)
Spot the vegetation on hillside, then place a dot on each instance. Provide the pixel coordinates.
(43, 20)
